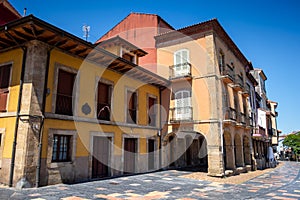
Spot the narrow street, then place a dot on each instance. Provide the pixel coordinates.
(281, 183)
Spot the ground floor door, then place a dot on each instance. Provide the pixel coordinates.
(130, 149)
(151, 159)
(101, 154)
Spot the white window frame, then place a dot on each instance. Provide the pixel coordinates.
(179, 68)
(181, 105)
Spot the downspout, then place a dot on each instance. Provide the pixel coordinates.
(13, 155)
(160, 129)
(38, 167)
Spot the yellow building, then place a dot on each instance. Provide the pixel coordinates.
(209, 119)
(72, 111)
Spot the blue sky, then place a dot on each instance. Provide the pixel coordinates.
(267, 32)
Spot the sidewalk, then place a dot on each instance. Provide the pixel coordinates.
(282, 182)
(243, 177)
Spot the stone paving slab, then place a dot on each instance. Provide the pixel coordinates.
(281, 183)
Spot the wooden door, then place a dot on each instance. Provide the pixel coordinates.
(130, 149)
(101, 154)
(151, 158)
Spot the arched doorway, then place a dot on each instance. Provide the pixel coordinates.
(246, 150)
(238, 151)
(228, 151)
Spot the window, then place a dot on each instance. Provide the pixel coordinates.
(104, 101)
(64, 93)
(132, 105)
(181, 63)
(4, 84)
(152, 111)
(183, 110)
(128, 57)
(61, 148)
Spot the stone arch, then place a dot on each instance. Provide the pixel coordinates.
(238, 151)
(246, 150)
(228, 153)
(169, 143)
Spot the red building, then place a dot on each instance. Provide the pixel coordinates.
(7, 12)
(137, 28)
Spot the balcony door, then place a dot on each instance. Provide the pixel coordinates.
(4, 85)
(181, 63)
(183, 105)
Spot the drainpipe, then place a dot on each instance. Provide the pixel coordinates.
(13, 155)
(160, 130)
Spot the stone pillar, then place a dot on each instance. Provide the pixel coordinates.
(214, 150)
(32, 97)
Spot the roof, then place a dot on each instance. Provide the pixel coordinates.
(120, 41)
(193, 32)
(17, 33)
(261, 73)
(8, 12)
(129, 15)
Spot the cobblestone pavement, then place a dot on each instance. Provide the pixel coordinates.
(281, 183)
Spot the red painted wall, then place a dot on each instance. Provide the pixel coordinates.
(140, 29)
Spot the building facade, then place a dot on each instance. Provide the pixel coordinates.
(70, 111)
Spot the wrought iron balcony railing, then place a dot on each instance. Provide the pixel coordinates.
(181, 114)
(180, 70)
(231, 114)
(64, 104)
(103, 111)
(228, 73)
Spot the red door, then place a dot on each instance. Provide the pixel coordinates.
(101, 153)
(129, 155)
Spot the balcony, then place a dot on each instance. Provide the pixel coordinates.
(239, 83)
(181, 114)
(230, 114)
(246, 91)
(182, 70)
(227, 74)
(103, 111)
(243, 118)
(64, 104)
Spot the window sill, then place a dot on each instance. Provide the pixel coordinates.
(60, 164)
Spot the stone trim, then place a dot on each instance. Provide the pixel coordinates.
(108, 82)
(156, 108)
(129, 89)
(92, 120)
(137, 158)
(52, 132)
(57, 67)
(10, 79)
(2, 135)
(111, 162)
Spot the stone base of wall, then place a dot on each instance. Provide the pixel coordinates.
(4, 171)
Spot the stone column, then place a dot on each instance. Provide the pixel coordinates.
(32, 97)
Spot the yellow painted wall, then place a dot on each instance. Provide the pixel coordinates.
(86, 93)
(15, 58)
(198, 58)
(9, 124)
(84, 130)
